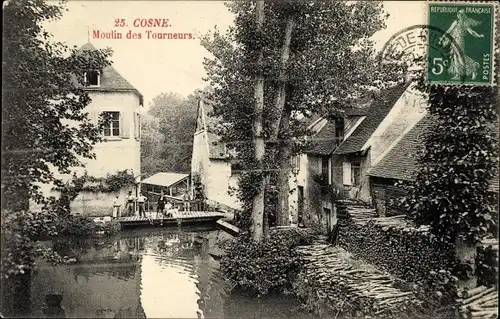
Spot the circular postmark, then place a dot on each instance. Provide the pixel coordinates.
(414, 45)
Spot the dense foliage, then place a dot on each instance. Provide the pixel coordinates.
(330, 57)
(261, 267)
(43, 122)
(167, 134)
(458, 162)
(487, 266)
(69, 190)
(23, 232)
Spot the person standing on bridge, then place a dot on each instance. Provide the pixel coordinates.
(130, 204)
(116, 206)
(160, 206)
(141, 201)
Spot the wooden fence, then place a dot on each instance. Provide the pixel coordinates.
(176, 202)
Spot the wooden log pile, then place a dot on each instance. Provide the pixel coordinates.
(350, 287)
(480, 303)
(363, 215)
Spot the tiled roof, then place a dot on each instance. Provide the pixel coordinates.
(110, 80)
(324, 141)
(310, 120)
(165, 179)
(378, 110)
(400, 162)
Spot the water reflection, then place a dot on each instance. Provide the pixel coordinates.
(146, 274)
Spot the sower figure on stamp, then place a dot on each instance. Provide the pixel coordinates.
(461, 64)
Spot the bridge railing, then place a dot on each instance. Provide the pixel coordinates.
(179, 203)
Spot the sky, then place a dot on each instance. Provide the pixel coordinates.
(156, 66)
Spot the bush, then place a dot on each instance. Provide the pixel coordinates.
(261, 268)
(76, 226)
(20, 236)
(108, 229)
(22, 233)
(487, 266)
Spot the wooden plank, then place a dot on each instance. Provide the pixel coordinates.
(180, 216)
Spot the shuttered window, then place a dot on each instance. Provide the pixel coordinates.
(137, 126)
(346, 173)
(112, 128)
(125, 128)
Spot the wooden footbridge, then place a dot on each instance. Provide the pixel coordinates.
(175, 218)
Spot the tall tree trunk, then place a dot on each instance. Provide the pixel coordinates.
(258, 200)
(283, 157)
(281, 123)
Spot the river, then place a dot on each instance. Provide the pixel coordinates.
(150, 274)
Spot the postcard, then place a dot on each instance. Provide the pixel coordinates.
(250, 159)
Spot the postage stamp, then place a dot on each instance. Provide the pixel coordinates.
(468, 40)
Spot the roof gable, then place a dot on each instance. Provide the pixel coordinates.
(324, 141)
(165, 179)
(111, 80)
(216, 148)
(400, 162)
(376, 113)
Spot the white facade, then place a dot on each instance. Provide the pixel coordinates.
(119, 151)
(214, 171)
(122, 152)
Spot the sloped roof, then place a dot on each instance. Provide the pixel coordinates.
(400, 162)
(308, 120)
(216, 149)
(111, 80)
(324, 141)
(378, 110)
(165, 179)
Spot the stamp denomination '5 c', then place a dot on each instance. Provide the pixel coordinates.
(468, 40)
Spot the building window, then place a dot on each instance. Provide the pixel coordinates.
(351, 173)
(112, 128)
(236, 168)
(92, 78)
(356, 174)
(295, 164)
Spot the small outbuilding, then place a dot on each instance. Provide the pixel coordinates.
(172, 184)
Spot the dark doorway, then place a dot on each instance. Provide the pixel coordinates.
(300, 190)
(328, 216)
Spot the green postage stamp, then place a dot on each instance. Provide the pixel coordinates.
(465, 32)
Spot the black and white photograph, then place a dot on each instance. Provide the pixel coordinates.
(253, 159)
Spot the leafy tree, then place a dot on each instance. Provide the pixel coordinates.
(151, 142)
(167, 134)
(325, 46)
(458, 161)
(43, 118)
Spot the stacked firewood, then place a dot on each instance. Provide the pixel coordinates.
(351, 287)
(480, 302)
(361, 216)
